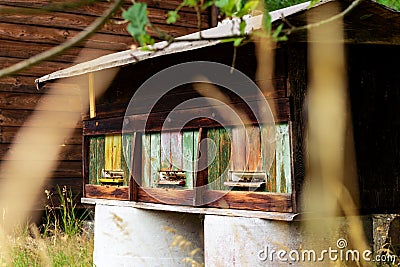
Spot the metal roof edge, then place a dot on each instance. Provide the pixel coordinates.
(225, 28)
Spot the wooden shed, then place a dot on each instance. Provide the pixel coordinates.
(28, 28)
(247, 178)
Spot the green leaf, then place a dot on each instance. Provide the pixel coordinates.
(313, 3)
(138, 20)
(267, 22)
(228, 40)
(173, 16)
(277, 31)
(251, 5)
(366, 16)
(242, 26)
(237, 41)
(221, 3)
(207, 4)
(282, 38)
(191, 3)
(247, 8)
(145, 48)
(227, 7)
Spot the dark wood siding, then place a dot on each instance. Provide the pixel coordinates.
(374, 86)
(23, 35)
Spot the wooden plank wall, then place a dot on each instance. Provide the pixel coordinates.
(23, 35)
(225, 152)
(111, 108)
(168, 151)
(373, 86)
(239, 149)
(375, 99)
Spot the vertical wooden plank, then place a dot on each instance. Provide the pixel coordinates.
(92, 96)
(127, 156)
(213, 155)
(253, 148)
(137, 165)
(155, 156)
(93, 160)
(196, 138)
(238, 149)
(283, 174)
(166, 151)
(117, 152)
(279, 160)
(225, 156)
(131, 144)
(146, 173)
(271, 183)
(188, 145)
(108, 152)
(85, 163)
(100, 154)
(127, 164)
(287, 158)
(176, 151)
(268, 156)
(200, 179)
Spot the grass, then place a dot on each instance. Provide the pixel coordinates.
(60, 241)
(50, 251)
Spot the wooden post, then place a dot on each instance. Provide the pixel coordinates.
(85, 163)
(92, 96)
(135, 166)
(200, 179)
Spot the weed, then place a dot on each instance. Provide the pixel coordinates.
(61, 241)
(65, 217)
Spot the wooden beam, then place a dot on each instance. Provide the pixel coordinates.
(47, 35)
(80, 21)
(85, 162)
(8, 134)
(201, 172)
(9, 100)
(250, 200)
(14, 117)
(41, 69)
(155, 121)
(97, 8)
(219, 199)
(279, 216)
(92, 96)
(67, 152)
(108, 192)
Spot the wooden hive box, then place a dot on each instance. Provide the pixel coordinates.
(242, 155)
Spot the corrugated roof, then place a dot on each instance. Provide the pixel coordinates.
(225, 28)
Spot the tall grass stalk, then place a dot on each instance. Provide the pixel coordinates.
(60, 241)
(64, 218)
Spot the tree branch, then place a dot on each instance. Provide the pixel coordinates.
(96, 25)
(323, 22)
(287, 31)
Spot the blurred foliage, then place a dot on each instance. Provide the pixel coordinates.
(395, 4)
(272, 5)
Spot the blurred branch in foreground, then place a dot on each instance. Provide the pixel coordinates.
(96, 25)
(331, 181)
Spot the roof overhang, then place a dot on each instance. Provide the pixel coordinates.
(210, 37)
(224, 29)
